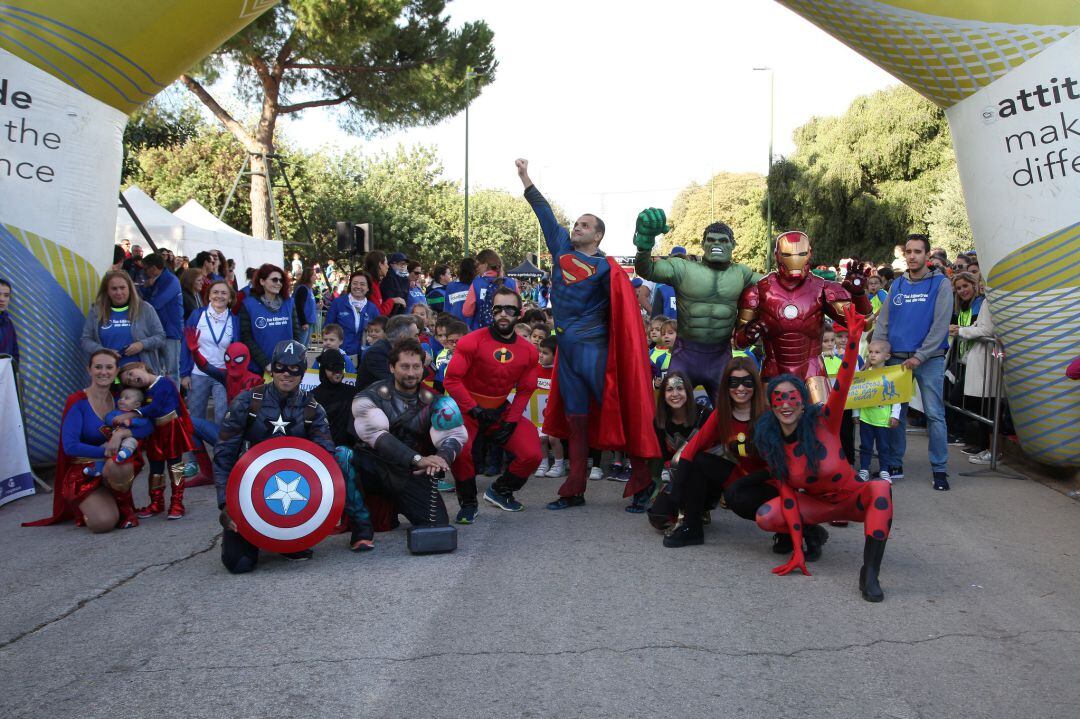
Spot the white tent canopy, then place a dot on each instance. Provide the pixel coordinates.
(191, 230)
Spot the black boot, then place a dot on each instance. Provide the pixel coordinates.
(781, 544)
(815, 536)
(873, 551)
(684, 536)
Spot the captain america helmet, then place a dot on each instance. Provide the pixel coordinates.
(445, 414)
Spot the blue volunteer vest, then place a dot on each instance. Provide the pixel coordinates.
(456, 292)
(911, 312)
(267, 327)
(667, 293)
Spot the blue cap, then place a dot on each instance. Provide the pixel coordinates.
(677, 251)
(636, 282)
(397, 257)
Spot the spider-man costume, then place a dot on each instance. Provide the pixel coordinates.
(787, 310)
(832, 491)
(607, 381)
(236, 376)
(484, 370)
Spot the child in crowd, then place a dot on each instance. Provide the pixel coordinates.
(831, 358)
(539, 332)
(455, 330)
(660, 355)
(874, 422)
(557, 467)
(130, 400)
(523, 330)
(654, 330)
(332, 337)
(375, 331)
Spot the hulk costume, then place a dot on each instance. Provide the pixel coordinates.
(706, 296)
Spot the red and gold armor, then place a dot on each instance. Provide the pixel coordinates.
(787, 309)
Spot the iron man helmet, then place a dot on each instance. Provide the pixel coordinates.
(793, 254)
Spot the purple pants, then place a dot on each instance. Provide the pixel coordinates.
(702, 363)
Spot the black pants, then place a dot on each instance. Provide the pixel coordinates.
(847, 436)
(238, 554)
(414, 495)
(701, 486)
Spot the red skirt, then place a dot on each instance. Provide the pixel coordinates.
(169, 440)
(76, 486)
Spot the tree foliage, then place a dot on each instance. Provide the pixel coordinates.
(731, 198)
(157, 124)
(402, 193)
(383, 63)
(858, 183)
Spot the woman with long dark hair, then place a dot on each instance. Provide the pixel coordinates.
(676, 420)
(377, 266)
(719, 463)
(800, 442)
(267, 315)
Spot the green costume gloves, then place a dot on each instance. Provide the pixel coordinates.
(650, 223)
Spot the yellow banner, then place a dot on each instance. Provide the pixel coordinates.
(881, 386)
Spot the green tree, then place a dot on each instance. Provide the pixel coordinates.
(384, 63)
(859, 182)
(158, 123)
(947, 218)
(735, 199)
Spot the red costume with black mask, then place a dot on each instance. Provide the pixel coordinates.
(236, 377)
(786, 309)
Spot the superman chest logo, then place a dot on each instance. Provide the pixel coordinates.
(574, 270)
(503, 355)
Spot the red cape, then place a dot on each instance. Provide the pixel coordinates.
(624, 422)
(61, 511)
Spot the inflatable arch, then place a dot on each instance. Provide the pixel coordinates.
(70, 73)
(1008, 75)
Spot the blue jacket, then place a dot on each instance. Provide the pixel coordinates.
(187, 362)
(167, 298)
(341, 312)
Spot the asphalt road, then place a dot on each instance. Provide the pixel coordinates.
(574, 613)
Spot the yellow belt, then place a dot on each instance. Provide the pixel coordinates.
(165, 419)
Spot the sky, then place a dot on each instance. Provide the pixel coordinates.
(619, 105)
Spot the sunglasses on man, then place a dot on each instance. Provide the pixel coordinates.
(510, 310)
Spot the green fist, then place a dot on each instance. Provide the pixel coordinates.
(650, 223)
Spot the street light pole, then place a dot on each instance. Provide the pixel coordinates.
(469, 74)
(768, 191)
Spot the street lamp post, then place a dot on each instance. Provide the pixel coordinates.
(469, 75)
(768, 191)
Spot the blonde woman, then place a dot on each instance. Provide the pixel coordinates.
(120, 321)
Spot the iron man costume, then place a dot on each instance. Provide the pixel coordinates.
(787, 310)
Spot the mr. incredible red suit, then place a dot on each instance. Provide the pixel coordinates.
(787, 310)
(488, 364)
(601, 395)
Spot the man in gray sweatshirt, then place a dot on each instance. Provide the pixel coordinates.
(914, 320)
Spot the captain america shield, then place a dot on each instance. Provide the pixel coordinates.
(285, 494)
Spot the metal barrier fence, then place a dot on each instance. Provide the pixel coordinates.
(991, 396)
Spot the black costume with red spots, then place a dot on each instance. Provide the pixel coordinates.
(831, 490)
(484, 370)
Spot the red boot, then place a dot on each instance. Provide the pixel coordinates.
(176, 501)
(206, 470)
(578, 450)
(156, 483)
(126, 506)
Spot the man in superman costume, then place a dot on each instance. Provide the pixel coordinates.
(601, 394)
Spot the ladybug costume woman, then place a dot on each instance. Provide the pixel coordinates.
(801, 444)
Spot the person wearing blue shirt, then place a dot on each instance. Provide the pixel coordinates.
(267, 316)
(458, 290)
(353, 312)
(162, 290)
(416, 294)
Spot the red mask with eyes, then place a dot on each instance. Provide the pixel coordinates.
(237, 376)
(790, 398)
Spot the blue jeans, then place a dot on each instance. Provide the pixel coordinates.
(305, 335)
(869, 436)
(931, 377)
(170, 360)
(198, 399)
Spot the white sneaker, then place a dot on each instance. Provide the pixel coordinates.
(983, 458)
(541, 471)
(558, 468)
(596, 473)
(864, 475)
(885, 475)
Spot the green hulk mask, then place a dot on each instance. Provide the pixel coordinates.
(716, 248)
